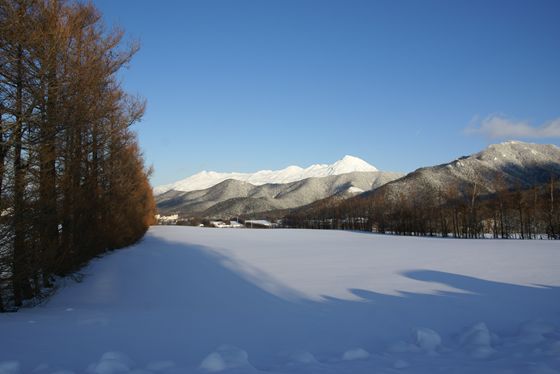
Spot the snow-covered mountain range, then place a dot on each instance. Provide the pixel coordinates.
(212, 194)
(207, 179)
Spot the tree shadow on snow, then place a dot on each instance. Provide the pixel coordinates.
(169, 300)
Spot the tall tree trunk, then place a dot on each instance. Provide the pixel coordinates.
(47, 179)
(3, 151)
(21, 286)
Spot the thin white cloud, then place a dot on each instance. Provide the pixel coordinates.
(498, 126)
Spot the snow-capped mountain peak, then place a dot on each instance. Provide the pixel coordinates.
(350, 164)
(206, 179)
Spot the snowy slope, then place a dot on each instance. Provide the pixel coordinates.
(517, 164)
(206, 179)
(194, 300)
(232, 197)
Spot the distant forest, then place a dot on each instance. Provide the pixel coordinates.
(72, 179)
(467, 210)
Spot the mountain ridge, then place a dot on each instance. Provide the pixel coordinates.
(510, 164)
(232, 197)
(505, 165)
(206, 179)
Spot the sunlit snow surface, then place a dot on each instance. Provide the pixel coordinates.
(195, 300)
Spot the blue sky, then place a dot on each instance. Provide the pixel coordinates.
(249, 85)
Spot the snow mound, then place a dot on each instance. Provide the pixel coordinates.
(226, 357)
(426, 339)
(303, 357)
(355, 354)
(477, 341)
(207, 179)
(111, 363)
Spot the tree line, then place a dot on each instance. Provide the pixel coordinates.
(72, 179)
(467, 210)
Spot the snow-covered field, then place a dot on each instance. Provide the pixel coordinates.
(194, 300)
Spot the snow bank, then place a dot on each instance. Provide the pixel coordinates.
(355, 354)
(303, 357)
(477, 340)
(111, 363)
(226, 357)
(427, 340)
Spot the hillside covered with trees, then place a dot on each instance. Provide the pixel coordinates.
(72, 179)
(509, 190)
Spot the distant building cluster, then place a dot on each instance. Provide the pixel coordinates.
(175, 219)
(167, 220)
(223, 225)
